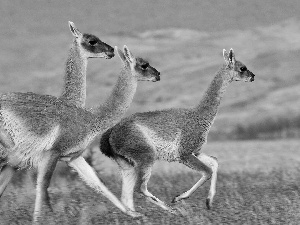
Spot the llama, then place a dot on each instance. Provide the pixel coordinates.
(84, 46)
(38, 130)
(173, 135)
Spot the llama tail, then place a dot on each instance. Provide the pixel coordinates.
(105, 146)
(107, 150)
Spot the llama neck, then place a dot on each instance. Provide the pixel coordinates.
(74, 89)
(118, 102)
(208, 107)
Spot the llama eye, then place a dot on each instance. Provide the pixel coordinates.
(243, 68)
(144, 66)
(92, 43)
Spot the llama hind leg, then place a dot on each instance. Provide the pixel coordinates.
(208, 166)
(212, 190)
(7, 173)
(89, 176)
(144, 173)
(129, 178)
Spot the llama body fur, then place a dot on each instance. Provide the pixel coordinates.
(173, 135)
(37, 130)
(74, 89)
(34, 130)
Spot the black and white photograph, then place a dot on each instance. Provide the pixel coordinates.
(149, 112)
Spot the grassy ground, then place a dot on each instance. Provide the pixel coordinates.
(262, 187)
(233, 156)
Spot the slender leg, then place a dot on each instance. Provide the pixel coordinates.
(144, 173)
(89, 176)
(129, 178)
(208, 166)
(45, 170)
(33, 176)
(212, 190)
(7, 172)
(6, 175)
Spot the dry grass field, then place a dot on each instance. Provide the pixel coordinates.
(258, 182)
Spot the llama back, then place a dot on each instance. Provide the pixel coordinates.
(147, 127)
(21, 115)
(33, 110)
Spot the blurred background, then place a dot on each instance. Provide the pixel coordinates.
(183, 40)
(258, 124)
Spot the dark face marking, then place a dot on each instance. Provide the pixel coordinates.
(93, 44)
(251, 75)
(243, 68)
(242, 72)
(146, 71)
(143, 64)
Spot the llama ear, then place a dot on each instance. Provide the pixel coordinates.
(231, 56)
(226, 56)
(128, 54)
(76, 33)
(120, 54)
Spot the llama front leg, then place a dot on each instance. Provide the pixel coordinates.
(44, 173)
(89, 176)
(208, 166)
(7, 173)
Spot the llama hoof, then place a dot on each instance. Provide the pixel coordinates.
(174, 211)
(208, 203)
(176, 199)
(182, 211)
(134, 214)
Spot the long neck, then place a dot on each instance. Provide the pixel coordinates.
(117, 104)
(208, 107)
(74, 89)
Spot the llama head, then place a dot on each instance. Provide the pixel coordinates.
(139, 67)
(237, 70)
(91, 46)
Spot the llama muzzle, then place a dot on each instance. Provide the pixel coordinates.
(109, 55)
(251, 75)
